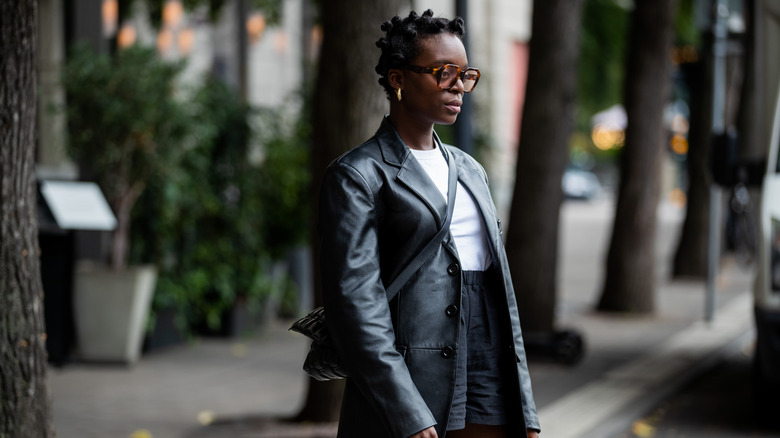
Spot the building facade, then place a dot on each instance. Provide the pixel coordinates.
(269, 63)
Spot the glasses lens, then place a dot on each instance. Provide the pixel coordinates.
(448, 75)
(470, 78)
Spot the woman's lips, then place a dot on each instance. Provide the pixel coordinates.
(454, 106)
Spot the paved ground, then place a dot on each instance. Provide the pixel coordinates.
(220, 388)
(717, 404)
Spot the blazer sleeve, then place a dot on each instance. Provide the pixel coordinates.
(356, 307)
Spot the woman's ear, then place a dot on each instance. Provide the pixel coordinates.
(395, 78)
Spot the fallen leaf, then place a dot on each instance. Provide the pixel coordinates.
(643, 429)
(206, 417)
(238, 350)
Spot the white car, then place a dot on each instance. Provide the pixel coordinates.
(766, 291)
(580, 184)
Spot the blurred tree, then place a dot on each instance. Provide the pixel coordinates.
(686, 28)
(204, 221)
(630, 275)
(348, 107)
(25, 410)
(602, 53)
(691, 256)
(750, 146)
(548, 119)
(126, 124)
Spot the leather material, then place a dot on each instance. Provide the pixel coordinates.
(378, 208)
(323, 362)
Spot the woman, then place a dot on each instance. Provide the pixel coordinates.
(446, 354)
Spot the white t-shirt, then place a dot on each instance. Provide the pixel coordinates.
(467, 227)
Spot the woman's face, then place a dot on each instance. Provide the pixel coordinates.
(422, 97)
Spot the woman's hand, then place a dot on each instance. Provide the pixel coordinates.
(426, 433)
(532, 433)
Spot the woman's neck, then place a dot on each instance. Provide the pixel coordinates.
(416, 135)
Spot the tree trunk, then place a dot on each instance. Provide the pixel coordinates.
(348, 107)
(123, 206)
(691, 257)
(24, 397)
(750, 146)
(548, 119)
(630, 277)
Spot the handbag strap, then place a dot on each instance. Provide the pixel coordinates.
(430, 248)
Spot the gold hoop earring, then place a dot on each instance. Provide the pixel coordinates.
(398, 94)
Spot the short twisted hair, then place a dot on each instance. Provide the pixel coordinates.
(401, 42)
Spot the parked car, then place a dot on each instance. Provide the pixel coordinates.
(766, 290)
(580, 184)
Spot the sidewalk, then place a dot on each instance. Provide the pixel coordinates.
(237, 387)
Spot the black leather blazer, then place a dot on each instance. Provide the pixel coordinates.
(378, 208)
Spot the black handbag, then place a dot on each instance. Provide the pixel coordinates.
(323, 362)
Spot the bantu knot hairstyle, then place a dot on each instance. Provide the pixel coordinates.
(401, 42)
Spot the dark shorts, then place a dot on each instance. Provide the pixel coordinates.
(479, 396)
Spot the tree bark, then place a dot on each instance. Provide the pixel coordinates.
(547, 120)
(691, 256)
(24, 397)
(348, 107)
(750, 146)
(630, 277)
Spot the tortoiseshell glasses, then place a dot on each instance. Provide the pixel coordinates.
(448, 74)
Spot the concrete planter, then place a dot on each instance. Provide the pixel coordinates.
(111, 309)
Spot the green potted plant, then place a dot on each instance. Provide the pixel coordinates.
(284, 189)
(223, 219)
(205, 231)
(125, 126)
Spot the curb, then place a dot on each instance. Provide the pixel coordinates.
(608, 405)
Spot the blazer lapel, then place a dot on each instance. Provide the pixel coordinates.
(410, 173)
(416, 179)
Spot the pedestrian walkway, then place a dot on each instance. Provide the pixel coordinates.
(217, 388)
(611, 401)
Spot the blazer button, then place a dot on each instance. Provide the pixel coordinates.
(453, 269)
(447, 352)
(451, 310)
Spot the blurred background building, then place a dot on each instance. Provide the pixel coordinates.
(268, 62)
